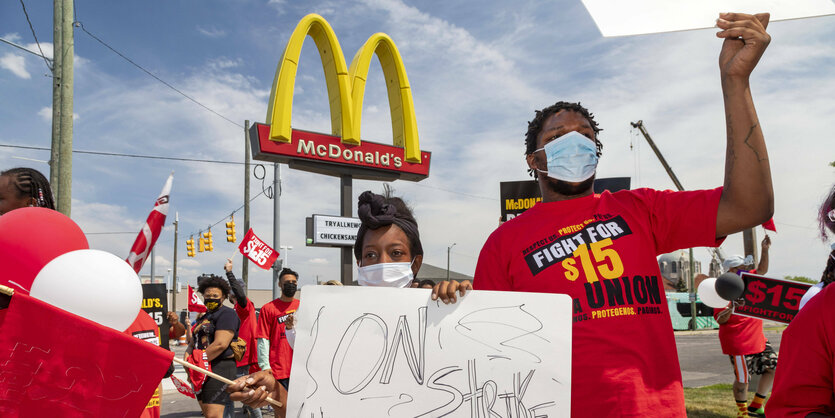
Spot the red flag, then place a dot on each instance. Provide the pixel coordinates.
(258, 251)
(769, 225)
(182, 387)
(200, 359)
(69, 366)
(194, 302)
(150, 231)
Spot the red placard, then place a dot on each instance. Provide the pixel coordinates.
(194, 302)
(258, 251)
(316, 147)
(772, 299)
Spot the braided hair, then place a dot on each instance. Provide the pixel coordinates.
(31, 183)
(535, 126)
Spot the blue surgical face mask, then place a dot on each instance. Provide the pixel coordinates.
(571, 157)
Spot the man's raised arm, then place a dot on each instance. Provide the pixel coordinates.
(748, 198)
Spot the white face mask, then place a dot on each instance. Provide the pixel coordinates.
(386, 275)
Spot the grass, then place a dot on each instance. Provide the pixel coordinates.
(715, 401)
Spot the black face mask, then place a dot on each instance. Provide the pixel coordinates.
(211, 304)
(288, 289)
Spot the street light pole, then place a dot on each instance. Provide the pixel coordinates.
(448, 250)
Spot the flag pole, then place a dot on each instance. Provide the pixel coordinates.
(8, 291)
(218, 377)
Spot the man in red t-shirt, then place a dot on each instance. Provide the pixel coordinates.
(145, 328)
(246, 313)
(601, 249)
(743, 341)
(271, 334)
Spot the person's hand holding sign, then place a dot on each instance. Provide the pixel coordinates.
(745, 42)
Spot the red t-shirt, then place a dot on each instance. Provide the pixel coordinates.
(803, 383)
(271, 326)
(145, 328)
(601, 250)
(740, 335)
(249, 327)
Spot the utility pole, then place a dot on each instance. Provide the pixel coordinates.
(247, 157)
(66, 50)
(174, 286)
(448, 250)
(54, 164)
(345, 209)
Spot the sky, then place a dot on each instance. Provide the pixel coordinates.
(478, 70)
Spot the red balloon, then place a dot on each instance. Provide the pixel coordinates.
(29, 239)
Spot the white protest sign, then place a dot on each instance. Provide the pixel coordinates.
(383, 352)
(637, 17)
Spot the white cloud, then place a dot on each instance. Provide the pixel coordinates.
(16, 64)
(211, 32)
(318, 260)
(46, 114)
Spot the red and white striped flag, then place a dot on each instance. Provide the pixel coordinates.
(150, 231)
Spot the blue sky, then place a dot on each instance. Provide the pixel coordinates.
(477, 70)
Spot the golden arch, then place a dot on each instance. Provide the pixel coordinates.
(345, 89)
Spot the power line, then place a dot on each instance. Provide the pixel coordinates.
(23, 49)
(117, 154)
(79, 24)
(32, 28)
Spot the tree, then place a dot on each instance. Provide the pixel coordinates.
(802, 279)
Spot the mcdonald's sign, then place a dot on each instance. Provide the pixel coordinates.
(342, 152)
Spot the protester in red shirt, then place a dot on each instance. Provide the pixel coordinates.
(246, 313)
(271, 333)
(742, 339)
(601, 249)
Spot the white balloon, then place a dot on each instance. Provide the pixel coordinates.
(92, 284)
(708, 296)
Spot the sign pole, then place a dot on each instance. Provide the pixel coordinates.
(174, 286)
(276, 223)
(247, 157)
(345, 196)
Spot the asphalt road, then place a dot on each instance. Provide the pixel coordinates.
(700, 356)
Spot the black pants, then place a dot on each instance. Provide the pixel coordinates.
(214, 391)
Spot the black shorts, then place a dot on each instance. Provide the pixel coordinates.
(214, 391)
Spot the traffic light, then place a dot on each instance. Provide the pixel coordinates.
(207, 236)
(190, 246)
(202, 242)
(230, 230)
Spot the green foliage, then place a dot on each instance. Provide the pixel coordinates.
(802, 279)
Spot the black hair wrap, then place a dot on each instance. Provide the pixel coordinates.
(376, 211)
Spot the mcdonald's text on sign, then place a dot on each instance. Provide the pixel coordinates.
(258, 251)
(331, 150)
(771, 299)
